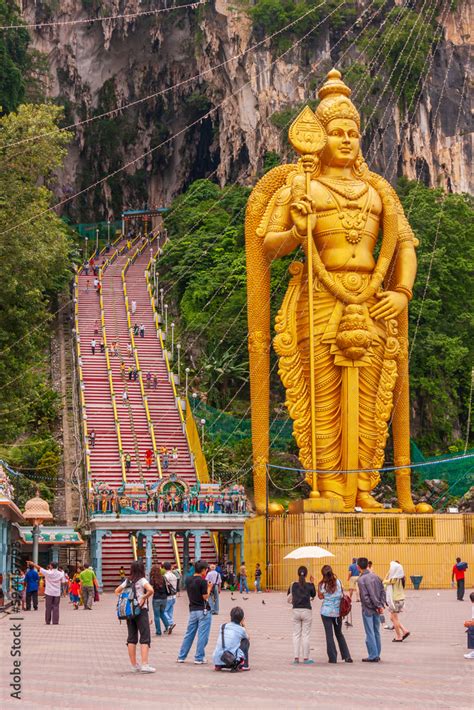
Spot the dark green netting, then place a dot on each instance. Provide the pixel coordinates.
(230, 429)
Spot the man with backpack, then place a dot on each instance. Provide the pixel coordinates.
(200, 619)
(215, 580)
(458, 574)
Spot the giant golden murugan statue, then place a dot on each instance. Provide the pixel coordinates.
(342, 329)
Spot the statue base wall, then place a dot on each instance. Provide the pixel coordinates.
(426, 545)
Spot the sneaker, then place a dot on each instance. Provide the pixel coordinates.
(180, 660)
(137, 668)
(170, 629)
(308, 662)
(469, 655)
(295, 662)
(147, 668)
(200, 663)
(217, 668)
(244, 668)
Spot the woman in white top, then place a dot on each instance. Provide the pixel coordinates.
(394, 584)
(141, 623)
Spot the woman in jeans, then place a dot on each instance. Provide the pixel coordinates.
(140, 624)
(160, 599)
(300, 595)
(330, 591)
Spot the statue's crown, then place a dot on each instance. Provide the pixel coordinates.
(335, 102)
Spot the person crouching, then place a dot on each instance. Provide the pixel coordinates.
(232, 648)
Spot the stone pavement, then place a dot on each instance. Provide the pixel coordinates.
(83, 662)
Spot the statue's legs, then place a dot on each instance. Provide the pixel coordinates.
(346, 428)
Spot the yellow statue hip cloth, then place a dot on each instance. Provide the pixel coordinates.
(349, 349)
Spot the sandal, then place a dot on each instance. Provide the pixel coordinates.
(405, 635)
(397, 640)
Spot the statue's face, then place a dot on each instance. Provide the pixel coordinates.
(343, 144)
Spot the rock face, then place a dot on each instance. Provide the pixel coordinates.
(227, 102)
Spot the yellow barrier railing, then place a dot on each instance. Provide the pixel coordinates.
(195, 447)
(137, 360)
(81, 380)
(174, 542)
(109, 367)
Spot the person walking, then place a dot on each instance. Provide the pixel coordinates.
(31, 584)
(258, 578)
(352, 578)
(125, 397)
(300, 594)
(155, 382)
(372, 598)
(200, 620)
(215, 579)
(243, 584)
(142, 330)
(458, 574)
(160, 598)
(171, 582)
(92, 438)
(134, 307)
(148, 458)
(87, 578)
(139, 625)
(148, 379)
(93, 345)
(330, 591)
(394, 584)
(128, 462)
(53, 578)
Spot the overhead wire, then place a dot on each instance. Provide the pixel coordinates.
(106, 18)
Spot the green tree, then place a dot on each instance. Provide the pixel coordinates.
(34, 259)
(14, 59)
(441, 314)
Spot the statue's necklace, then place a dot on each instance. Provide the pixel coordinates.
(353, 218)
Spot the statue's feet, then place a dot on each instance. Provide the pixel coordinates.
(423, 508)
(331, 494)
(365, 500)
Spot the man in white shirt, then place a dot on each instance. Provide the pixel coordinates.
(53, 579)
(214, 578)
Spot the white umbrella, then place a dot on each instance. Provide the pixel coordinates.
(309, 552)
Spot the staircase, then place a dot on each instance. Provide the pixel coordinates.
(133, 432)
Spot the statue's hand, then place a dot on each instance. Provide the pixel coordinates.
(390, 305)
(299, 211)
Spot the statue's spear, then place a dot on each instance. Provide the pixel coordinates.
(308, 137)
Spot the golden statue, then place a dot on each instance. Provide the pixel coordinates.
(342, 329)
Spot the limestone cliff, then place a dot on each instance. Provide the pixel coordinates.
(95, 67)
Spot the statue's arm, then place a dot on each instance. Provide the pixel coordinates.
(280, 238)
(405, 262)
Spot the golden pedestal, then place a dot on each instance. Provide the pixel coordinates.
(316, 505)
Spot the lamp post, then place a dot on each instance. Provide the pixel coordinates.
(37, 511)
(187, 378)
(87, 254)
(203, 424)
(172, 341)
(166, 318)
(178, 348)
(108, 232)
(161, 301)
(97, 241)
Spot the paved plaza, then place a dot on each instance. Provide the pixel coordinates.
(83, 662)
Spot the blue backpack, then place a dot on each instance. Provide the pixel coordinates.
(127, 604)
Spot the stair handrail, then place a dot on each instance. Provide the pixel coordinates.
(81, 380)
(106, 264)
(151, 428)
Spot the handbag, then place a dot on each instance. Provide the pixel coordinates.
(289, 596)
(346, 604)
(228, 658)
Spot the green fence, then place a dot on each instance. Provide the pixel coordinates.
(458, 472)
